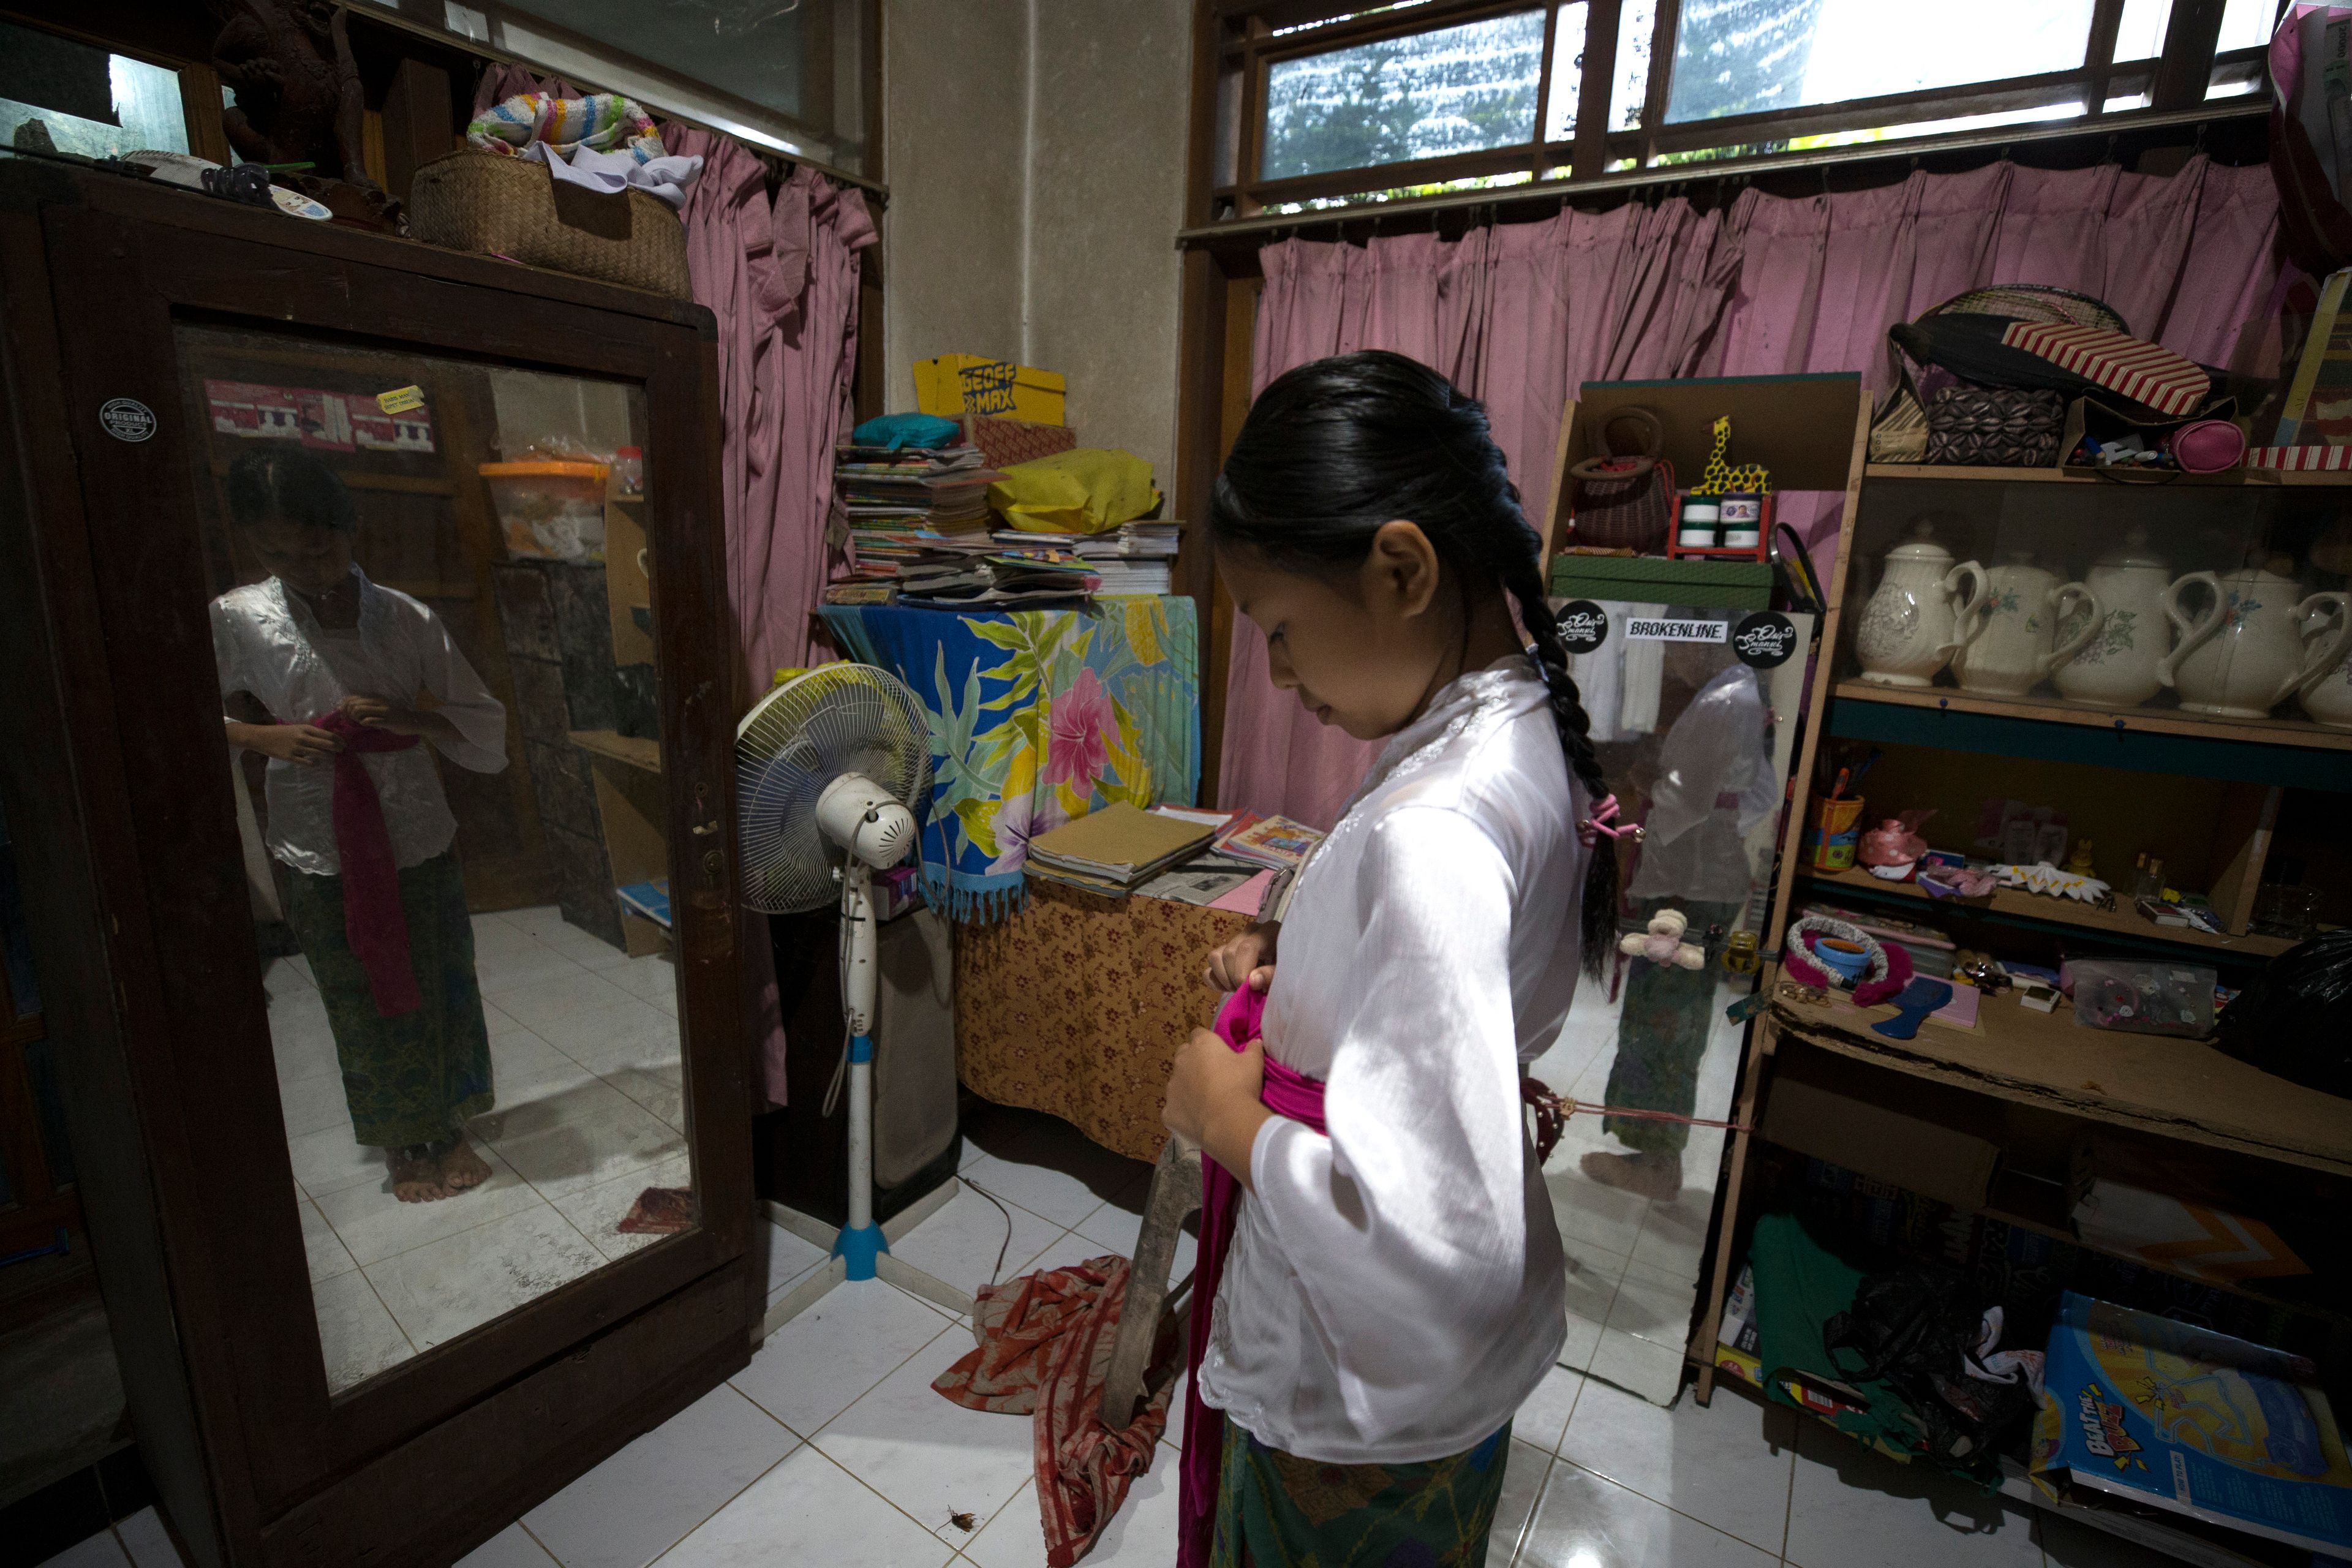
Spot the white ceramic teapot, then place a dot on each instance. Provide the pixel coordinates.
(2117, 667)
(2327, 696)
(2247, 649)
(2018, 646)
(1919, 617)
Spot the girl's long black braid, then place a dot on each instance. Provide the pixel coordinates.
(1523, 580)
(1334, 450)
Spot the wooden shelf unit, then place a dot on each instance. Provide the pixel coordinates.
(2179, 1091)
(2177, 1088)
(2122, 921)
(2300, 733)
(2228, 479)
(631, 807)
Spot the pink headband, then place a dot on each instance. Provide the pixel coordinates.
(1590, 830)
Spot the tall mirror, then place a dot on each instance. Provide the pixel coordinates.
(1693, 716)
(430, 609)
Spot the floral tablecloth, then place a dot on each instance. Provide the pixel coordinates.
(1036, 716)
(1075, 1004)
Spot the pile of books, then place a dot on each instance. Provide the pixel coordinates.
(994, 580)
(1114, 850)
(1132, 559)
(913, 508)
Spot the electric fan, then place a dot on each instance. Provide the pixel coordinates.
(830, 769)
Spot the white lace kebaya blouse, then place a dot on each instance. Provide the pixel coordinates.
(267, 642)
(1394, 1290)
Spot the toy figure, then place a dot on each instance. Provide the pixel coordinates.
(1663, 942)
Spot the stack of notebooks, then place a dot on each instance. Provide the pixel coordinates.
(995, 580)
(1115, 850)
(1132, 559)
(912, 508)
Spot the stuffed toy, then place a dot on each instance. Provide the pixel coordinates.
(1663, 944)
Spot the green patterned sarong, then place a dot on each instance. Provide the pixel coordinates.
(413, 1078)
(1662, 1033)
(1278, 1510)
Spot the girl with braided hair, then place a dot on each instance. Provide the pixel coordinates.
(1387, 1277)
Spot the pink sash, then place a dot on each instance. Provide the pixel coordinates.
(373, 921)
(1285, 1093)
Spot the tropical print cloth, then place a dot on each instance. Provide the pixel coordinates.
(1278, 1510)
(1037, 717)
(601, 123)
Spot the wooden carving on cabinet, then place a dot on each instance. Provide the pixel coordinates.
(299, 99)
(386, 1265)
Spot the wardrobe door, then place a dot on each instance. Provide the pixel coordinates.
(427, 955)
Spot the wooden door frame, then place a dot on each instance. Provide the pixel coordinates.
(139, 849)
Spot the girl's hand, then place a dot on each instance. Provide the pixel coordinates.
(304, 745)
(375, 713)
(1212, 1099)
(1247, 960)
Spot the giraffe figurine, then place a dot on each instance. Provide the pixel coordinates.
(1721, 478)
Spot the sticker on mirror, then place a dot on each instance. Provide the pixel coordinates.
(1651, 629)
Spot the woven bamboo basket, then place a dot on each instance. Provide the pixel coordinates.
(505, 206)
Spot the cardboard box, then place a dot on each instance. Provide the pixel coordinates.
(1923, 1137)
(955, 384)
(2169, 1416)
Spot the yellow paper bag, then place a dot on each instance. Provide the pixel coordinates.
(1091, 490)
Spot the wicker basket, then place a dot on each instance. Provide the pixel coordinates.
(505, 206)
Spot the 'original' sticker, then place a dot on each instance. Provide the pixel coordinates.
(127, 419)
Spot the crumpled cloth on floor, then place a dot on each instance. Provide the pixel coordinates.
(1045, 1351)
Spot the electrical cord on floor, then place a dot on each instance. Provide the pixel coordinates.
(1001, 1251)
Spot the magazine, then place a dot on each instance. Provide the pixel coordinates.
(1276, 843)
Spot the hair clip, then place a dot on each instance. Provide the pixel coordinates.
(1589, 829)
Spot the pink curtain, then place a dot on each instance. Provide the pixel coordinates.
(501, 81)
(781, 274)
(1522, 314)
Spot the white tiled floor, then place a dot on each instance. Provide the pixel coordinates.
(830, 1447)
(585, 1051)
(1633, 1263)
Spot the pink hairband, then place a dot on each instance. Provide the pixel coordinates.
(1591, 829)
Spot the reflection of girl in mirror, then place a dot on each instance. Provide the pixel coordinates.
(1711, 783)
(355, 675)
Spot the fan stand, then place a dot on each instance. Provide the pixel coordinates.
(861, 1249)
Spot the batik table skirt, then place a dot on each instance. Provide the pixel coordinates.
(1074, 1004)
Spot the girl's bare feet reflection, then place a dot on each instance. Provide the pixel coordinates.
(462, 1170)
(416, 1177)
(1658, 1176)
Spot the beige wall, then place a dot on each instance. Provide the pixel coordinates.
(1090, 176)
(955, 133)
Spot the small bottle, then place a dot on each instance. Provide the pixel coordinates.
(2148, 882)
(629, 471)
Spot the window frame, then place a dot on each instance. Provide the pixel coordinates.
(1253, 36)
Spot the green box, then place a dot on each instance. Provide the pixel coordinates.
(1653, 579)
